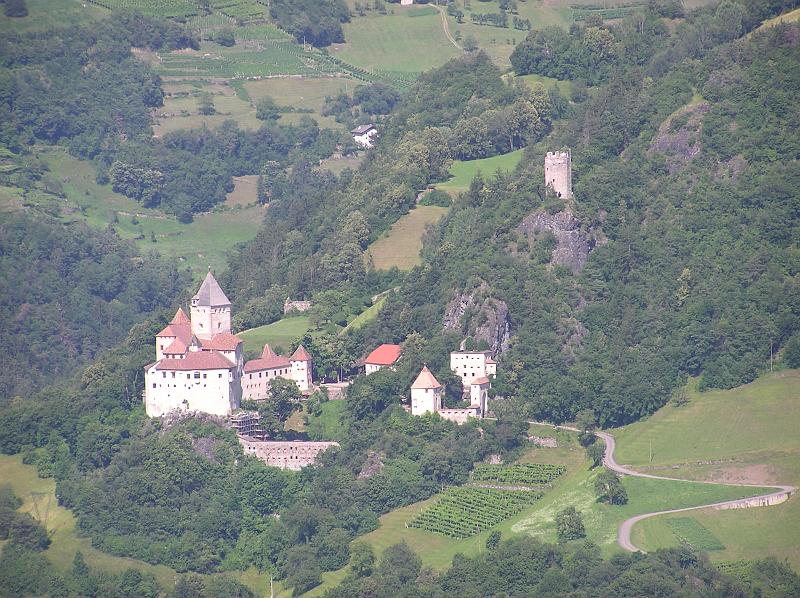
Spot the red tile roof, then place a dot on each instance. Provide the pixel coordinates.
(426, 380)
(490, 360)
(180, 317)
(481, 380)
(384, 355)
(196, 360)
(269, 361)
(224, 341)
(176, 347)
(181, 331)
(300, 354)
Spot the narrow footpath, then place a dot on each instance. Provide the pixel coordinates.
(624, 533)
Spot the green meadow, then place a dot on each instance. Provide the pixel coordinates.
(279, 335)
(400, 247)
(464, 171)
(45, 14)
(747, 434)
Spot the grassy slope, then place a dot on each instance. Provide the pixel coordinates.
(464, 171)
(787, 17)
(745, 434)
(198, 245)
(395, 42)
(44, 14)
(39, 500)
(401, 245)
(365, 316)
(277, 334)
(575, 488)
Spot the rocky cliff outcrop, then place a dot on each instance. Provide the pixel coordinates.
(678, 137)
(573, 243)
(480, 316)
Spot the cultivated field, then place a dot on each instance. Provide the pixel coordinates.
(748, 435)
(464, 171)
(401, 246)
(397, 43)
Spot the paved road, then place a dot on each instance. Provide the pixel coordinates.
(624, 532)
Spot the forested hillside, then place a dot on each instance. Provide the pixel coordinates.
(677, 257)
(685, 193)
(67, 294)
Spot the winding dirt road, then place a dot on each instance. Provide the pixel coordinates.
(624, 533)
(446, 27)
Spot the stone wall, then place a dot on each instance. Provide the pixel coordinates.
(292, 455)
(295, 306)
(458, 416)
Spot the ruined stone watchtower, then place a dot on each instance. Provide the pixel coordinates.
(558, 173)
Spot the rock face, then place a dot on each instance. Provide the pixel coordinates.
(480, 316)
(678, 137)
(573, 243)
(373, 465)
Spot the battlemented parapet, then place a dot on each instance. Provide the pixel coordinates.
(558, 173)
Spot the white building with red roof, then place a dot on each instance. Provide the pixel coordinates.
(259, 373)
(385, 356)
(427, 396)
(199, 362)
(426, 393)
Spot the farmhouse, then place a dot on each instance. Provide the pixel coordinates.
(364, 135)
(385, 356)
(200, 365)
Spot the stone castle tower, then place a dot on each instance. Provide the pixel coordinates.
(211, 310)
(558, 173)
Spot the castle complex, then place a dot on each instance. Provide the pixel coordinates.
(200, 365)
(558, 173)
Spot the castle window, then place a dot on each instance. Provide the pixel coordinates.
(188, 376)
(163, 374)
(173, 374)
(154, 384)
(220, 375)
(205, 375)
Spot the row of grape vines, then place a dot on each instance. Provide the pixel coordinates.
(525, 473)
(461, 512)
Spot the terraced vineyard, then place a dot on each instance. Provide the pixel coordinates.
(153, 8)
(464, 511)
(237, 9)
(528, 473)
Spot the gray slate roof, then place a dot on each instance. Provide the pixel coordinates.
(211, 293)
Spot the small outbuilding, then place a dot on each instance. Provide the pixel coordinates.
(364, 135)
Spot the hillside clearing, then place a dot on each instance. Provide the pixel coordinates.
(202, 243)
(365, 316)
(245, 191)
(464, 171)
(46, 14)
(401, 246)
(279, 335)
